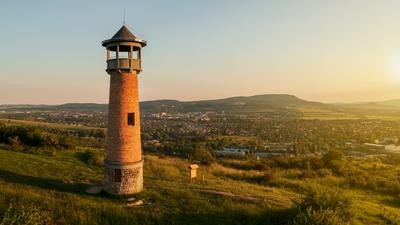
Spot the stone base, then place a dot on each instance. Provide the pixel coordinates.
(123, 179)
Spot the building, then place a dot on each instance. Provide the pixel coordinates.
(232, 152)
(123, 164)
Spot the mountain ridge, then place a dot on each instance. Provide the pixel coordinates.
(254, 103)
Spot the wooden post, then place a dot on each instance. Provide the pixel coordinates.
(117, 56)
(140, 58)
(130, 57)
(193, 172)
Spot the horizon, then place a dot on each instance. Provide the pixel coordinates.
(324, 52)
(167, 99)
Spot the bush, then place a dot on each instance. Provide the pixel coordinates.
(270, 176)
(23, 214)
(318, 217)
(32, 136)
(14, 141)
(334, 160)
(203, 155)
(91, 158)
(319, 198)
(66, 142)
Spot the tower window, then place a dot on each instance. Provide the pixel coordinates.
(117, 175)
(131, 119)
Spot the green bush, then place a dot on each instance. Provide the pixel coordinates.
(203, 155)
(32, 136)
(334, 160)
(318, 217)
(319, 198)
(92, 158)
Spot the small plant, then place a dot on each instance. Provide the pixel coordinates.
(14, 141)
(24, 214)
(91, 158)
(324, 205)
(318, 217)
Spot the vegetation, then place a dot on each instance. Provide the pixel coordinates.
(45, 170)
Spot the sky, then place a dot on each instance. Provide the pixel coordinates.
(329, 51)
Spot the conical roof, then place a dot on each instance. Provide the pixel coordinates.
(124, 35)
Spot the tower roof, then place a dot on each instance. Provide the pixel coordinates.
(124, 35)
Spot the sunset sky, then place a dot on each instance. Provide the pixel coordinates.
(330, 51)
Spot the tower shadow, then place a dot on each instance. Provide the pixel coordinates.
(44, 183)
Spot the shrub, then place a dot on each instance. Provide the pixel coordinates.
(91, 158)
(319, 198)
(334, 160)
(318, 217)
(14, 141)
(270, 176)
(66, 142)
(203, 155)
(32, 136)
(23, 214)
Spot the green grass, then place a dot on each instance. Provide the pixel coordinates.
(45, 124)
(56, 185)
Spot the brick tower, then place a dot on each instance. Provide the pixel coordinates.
(124, 164)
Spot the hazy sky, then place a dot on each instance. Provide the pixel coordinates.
(318, 50)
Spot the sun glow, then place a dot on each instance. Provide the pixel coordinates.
(394, 68)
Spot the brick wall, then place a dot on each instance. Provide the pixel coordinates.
(123, 140)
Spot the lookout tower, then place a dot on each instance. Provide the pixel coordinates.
(124, 164)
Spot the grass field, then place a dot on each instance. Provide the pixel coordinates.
(49, 187)
(55, 186)
(45, 124)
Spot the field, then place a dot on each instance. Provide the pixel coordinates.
(45, 185)
(55, 186)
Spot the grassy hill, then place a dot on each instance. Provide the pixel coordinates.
(257, 103)
(56, 186)
(49, 187)
(63, 107)
(53, 189)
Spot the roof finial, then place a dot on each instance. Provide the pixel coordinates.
(123, 21)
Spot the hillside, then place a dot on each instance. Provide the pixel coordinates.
(52, 189)
(46, 181)
(63, 107)
(391, 105)
(268, 103)
(257, 103)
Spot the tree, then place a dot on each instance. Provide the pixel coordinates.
(334, 160)
(203, 155)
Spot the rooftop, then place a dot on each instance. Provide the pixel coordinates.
(124, 35)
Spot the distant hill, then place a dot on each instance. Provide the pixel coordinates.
(63, 107)
(388, 105)
(257, 103)
(240, 104)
